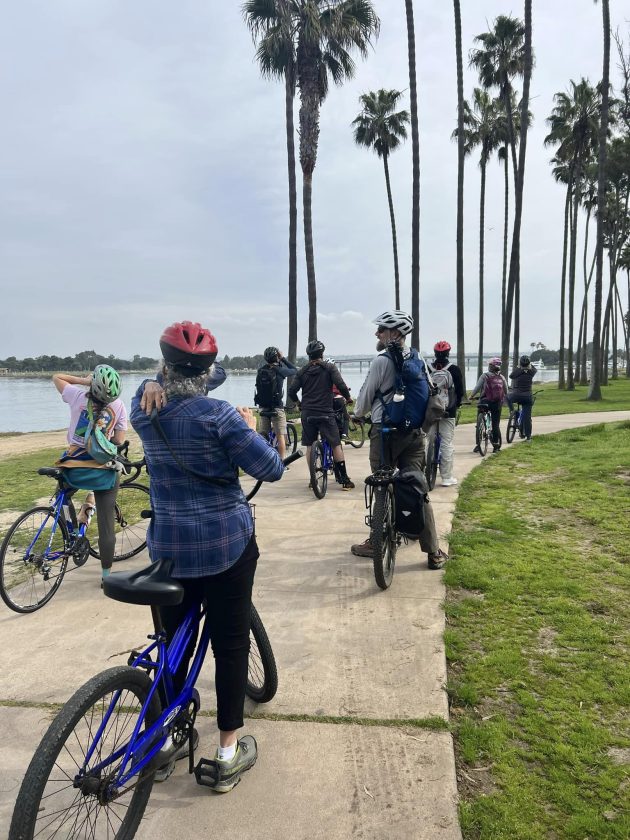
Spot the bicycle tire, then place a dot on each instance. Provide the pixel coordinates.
(13, 569)
(317, 470)
(431, 467)
(291, 438)
(131, 530)
(482, 435)
(62, 746)
(511, 427)
(262, 674)
(383, 536)
(353, 427)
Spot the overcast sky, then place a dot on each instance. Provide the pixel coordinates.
(144, 179)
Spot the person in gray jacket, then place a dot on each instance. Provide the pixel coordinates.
(406, 448)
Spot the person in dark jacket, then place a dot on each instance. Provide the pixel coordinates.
(282, 368)
(316, 380)
(521, 391)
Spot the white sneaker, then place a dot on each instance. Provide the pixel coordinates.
(449, 482)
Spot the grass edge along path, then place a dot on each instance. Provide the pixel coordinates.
(538, 642)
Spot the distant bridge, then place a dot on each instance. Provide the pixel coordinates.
(353, 361)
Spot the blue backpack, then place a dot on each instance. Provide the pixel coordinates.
(408, 407)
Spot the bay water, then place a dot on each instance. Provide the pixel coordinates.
(34, 405)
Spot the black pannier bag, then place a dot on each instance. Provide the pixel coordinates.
(410, 494)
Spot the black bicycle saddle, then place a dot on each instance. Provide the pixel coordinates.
(152, 585)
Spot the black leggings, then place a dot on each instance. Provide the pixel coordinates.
(228, 597)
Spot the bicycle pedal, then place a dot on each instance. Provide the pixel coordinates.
(207, 772)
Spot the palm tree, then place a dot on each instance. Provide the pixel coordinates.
(270, 24)
(381, 128)
(501, 57)
(574, 127)
(481, 128)
(595, 391)
(415, 174)
(563, 174)
(624, 265)
(513, 288)
(461, 153)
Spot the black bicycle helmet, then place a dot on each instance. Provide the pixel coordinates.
(271, 354)
(315, 349)
(524, 361)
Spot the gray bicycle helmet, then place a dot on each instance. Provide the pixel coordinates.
(395, 319)
(315, 349)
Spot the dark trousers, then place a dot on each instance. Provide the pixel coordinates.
(526, 401)
(105, 502)
(495, 414)
(228, 597)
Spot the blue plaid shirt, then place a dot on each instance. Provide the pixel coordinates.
(203, 527)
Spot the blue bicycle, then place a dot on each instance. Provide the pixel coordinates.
(38, 547)
(321, 462)
(291, 437)
(515, 420)
(92, 774)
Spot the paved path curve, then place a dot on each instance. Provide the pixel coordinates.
(346, 652)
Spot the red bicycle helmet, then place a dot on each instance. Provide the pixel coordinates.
(442, 347)
(188, 347)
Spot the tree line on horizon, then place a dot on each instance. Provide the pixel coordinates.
(309, 45)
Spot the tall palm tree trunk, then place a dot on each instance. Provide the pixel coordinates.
(582, 374)
(482, 222)
(293, 315)
(461, 353)
(507, 104)
(394, 239)
(572, 271)
(415, 157)
(309, 136)
(307, 201)
(594, 391)
(563, 286)
(515, 255)
(517, 320)
(506, 222)
(628, 332)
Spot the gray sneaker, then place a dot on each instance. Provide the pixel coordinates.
(228, 773)
(162, 773)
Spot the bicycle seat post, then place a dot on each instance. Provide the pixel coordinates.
(157, 619)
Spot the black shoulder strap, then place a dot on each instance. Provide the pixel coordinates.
(222, 482)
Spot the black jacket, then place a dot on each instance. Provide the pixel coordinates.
(315, 380)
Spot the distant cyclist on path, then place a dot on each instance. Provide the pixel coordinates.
(492, 389)
(521, 392)
(449, 377)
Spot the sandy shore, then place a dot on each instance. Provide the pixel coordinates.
(32, 441)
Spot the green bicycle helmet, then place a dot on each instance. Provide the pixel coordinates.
(106, 385)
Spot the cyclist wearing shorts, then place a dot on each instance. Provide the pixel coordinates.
(447, 424)
(99, 404)
(281, 368)
(406, 448)
(492, 389)
(316, 380)
(207, 529)
(521, 392)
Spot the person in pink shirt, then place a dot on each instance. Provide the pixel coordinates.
(94, 399)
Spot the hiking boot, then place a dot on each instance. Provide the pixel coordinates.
(346, 484)
(363, 549)
(162, 773)
(496, 447)
(228, 773)
(437, 559)
(477, 448)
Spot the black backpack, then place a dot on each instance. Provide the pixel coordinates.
(266, 387)
(410, 495)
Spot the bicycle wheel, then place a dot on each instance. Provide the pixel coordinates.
(511, 426)
(318, 471)
(431, 467)
(131, 529)
(59, 797)
(262, 674)
(28, 578)
(481, 435)
(291, 438)
(356, 428)
(383, 535)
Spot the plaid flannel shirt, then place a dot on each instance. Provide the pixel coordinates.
(202, 527)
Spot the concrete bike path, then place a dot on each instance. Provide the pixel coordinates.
(345, 651)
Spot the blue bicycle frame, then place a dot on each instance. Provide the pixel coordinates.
(61, 504)
(141, 749)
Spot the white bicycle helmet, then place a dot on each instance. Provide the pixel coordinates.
(106, 385)
(395, 319)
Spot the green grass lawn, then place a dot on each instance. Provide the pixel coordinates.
(538, 639)
(616, 397)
